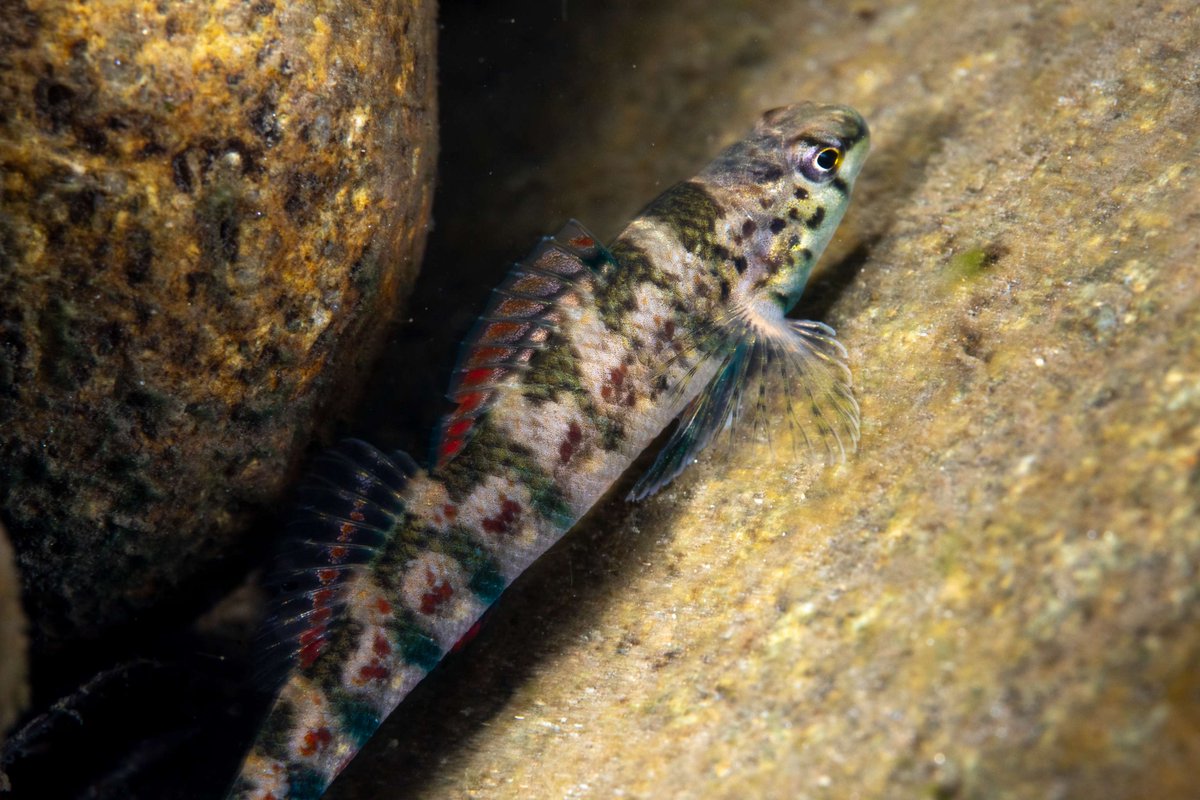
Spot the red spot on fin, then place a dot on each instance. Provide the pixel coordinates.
(476, 377)
(522, 314)
(346, 507)
(459, 429)
(374, 672)
(311, 642)
(568, 446)
(615, 390)
(315, 741)
(488, 356)
(469, 403)
(466, 638)
(506, 520)
(449, 450)
(437, 594)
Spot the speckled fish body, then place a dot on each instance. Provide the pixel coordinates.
(584, 356)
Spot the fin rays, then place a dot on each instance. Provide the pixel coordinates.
(523, 314)
(798, 361)
(347, 508)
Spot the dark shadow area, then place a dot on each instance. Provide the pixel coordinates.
(149, 727)
(831, 283)
(506, 72)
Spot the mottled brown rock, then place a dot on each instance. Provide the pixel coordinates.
(14, 686)
(999, 597)
(209, 210)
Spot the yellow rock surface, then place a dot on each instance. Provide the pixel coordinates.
(209, 211)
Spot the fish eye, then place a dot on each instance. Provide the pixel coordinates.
(818, 162)
(828, 159)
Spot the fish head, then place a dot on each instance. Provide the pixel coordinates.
(787, 185)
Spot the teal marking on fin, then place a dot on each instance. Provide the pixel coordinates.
(418, 649)
(305, 783)
(358, 719)
(487, 583)
(799, 360)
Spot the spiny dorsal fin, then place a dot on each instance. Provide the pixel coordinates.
(800, 362)
(523, 313)
(347, 505)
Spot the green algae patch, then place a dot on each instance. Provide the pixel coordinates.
(973, 263)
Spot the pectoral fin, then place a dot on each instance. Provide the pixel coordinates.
(784, 383)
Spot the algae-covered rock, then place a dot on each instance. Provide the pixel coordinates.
(208, 212)
(14, 687)
(999, 596)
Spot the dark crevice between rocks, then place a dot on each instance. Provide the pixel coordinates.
(141, 717)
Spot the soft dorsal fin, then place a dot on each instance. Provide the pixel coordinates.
(347, 505)
(521, 316)
(800, 362)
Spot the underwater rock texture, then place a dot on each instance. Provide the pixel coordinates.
(208, 211)
(998, 597)
(14, 688)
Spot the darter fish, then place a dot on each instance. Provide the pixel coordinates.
(585, 354)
